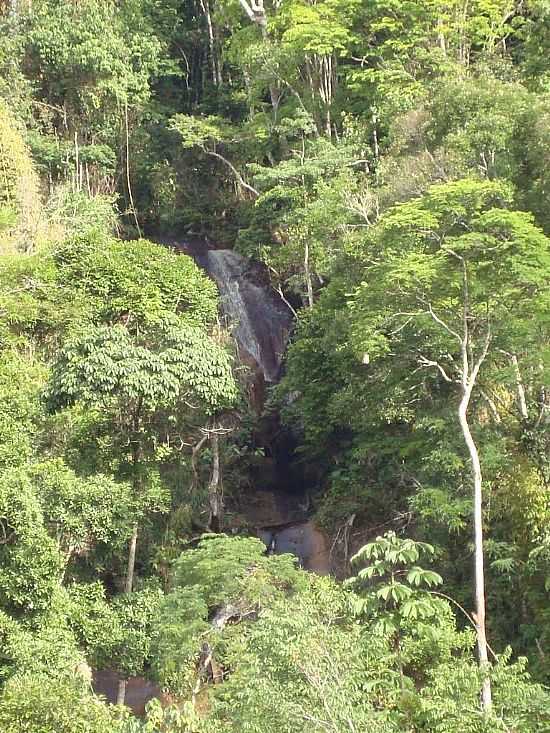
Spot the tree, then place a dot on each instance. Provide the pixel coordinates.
(208, 134)
(153, 370)
(97, 64)
(251, 642)
(150, 354)
(393, 590)
(19, 407)
(104, 276)
(256, 12)
(137, 378)
(228, 577)
(38, 702)
(300, 216)
(81, 512)
(318, 35)
(455, 278)
(30, 561)
(391, 585)
(19, 186)
(130, 650)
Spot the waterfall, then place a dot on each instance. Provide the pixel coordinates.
(278, 507)
(258, 318)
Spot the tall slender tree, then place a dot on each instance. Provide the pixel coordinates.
(455, 277)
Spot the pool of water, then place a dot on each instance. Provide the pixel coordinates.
(302, 539)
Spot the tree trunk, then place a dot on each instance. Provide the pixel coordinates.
(468, 373)
(137, 487)
(255, 10)
(129, 582)
(214, 496)
(121, 692)
(240, 179)
(486, 696)
(216, 75)
(441, 36)
(128, 179)
(194, 458)
(376, 148)
(76, 163)
(307, 273)
(274, 91)
(522, 402)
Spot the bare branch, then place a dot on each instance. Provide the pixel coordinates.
(520, 389)
(279, 290)
(401, 327)
(219, 430)
(461, 608)
(482, 356)
(235, 172)
(442, 323)
(194, 456)
(430, 363)
(247, 9)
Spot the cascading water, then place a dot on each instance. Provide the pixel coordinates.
(260, 320)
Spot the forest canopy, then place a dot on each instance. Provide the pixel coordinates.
(381, 172)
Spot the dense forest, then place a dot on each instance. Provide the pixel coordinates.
(380, 173)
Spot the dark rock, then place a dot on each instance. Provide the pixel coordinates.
(139, 691)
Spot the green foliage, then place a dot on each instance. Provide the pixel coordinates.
(53, 156)
(302, 661)
(377, 415)
(180, 718)
(298, 219)
(41, 704)
(19, 194)
(73, 213)
(46, 647)
(391, 581)
(181, 623)
(15, 161)
(222, 568)
(104, 55)
(370, 155)
(426, 243)
(109, 273)
(96, 625)
(198, 132)
(108, 364)
(136, 613)
(518, 702)
(222, 572)
(19, 407)
(298, 655)
(81, 512)
(29, 559)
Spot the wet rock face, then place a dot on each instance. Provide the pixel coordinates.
(261, 322)
(268, 507)
(304, 540)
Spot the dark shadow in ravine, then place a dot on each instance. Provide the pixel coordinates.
(139, 691)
